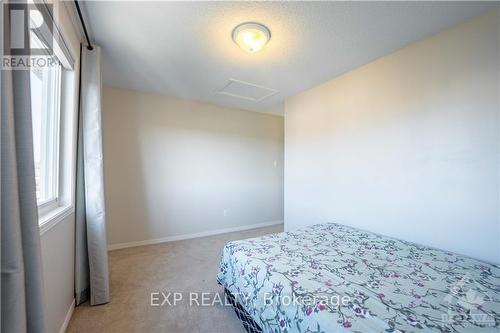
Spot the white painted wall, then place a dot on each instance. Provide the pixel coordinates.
(173, 166)
(406, 146)
(58, 272)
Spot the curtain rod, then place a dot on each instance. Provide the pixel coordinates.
(89, 44)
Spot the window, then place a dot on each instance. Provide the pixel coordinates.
(54, 110)
(45, 105)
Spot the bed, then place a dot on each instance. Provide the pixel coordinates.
(331, 278)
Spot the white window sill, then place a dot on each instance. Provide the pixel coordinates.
(51, 219)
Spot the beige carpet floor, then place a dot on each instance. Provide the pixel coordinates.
(182, 266)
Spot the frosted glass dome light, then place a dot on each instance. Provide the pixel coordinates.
(251, 37)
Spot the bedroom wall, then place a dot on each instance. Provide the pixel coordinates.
(175, 168)
(406, 146)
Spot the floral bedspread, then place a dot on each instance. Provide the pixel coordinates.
(333, 278)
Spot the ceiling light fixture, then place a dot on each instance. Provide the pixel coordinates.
(251, 36)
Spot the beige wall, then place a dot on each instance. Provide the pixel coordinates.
(406, 146)
(172, 167)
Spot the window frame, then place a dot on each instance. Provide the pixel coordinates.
(53, 211)
(52, 142)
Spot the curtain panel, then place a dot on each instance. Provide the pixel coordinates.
(91, 255)
(22, 297)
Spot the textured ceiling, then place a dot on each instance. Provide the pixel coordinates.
(185, 49)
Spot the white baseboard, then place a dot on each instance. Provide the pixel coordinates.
(194, 235)
(68, 317)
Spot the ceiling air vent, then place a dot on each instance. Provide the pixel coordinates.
(245, 90)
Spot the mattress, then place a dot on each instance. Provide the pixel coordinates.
(331, 278)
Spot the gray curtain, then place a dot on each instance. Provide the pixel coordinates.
(91, 255)
(22, 286)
